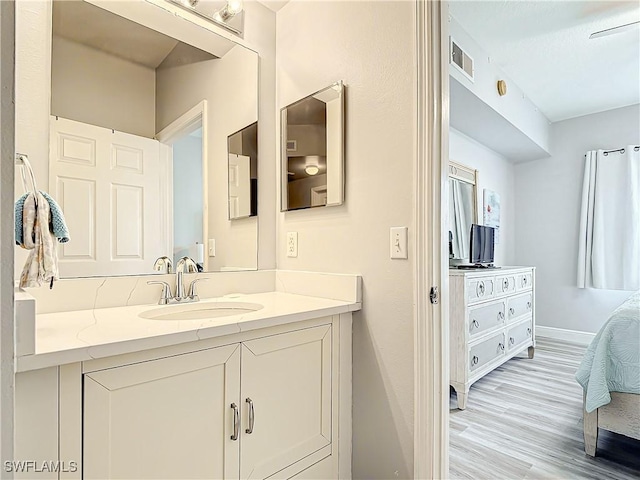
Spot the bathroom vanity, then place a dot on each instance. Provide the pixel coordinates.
(148, 391)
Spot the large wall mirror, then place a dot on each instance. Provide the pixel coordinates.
(463, 209)
(142, 133)
(313, 150)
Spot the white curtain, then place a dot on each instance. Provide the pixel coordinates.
(609, 241)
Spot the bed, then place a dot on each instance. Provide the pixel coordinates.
(610, 376)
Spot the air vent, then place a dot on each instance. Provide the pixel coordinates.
(460, 59)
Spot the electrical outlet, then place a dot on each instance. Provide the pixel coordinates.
(212, 247)
(398, 242)
(292, 244)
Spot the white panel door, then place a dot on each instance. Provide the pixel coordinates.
(239, 186)
(287, 379)
(108, 185)
(169, 418)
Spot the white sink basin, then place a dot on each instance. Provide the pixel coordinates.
(200, 311)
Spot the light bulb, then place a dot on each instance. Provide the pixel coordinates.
(234, 6)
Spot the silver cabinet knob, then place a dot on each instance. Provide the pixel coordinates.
(505, 284)
(529, 305)
(524, 281)
(500, 315)
(236, 421)
(512, 310)
(512, 341)
(529, 331)
(480, 290)
(475, 360)
(474, 323)
(501, 346)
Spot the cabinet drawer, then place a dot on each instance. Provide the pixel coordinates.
(505, 284)
(486, 317)
(519, 306)
(519, 334)
(486, 351)
(480, 289)
(524, 281)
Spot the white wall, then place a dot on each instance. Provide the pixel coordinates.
(97, 88)
(187, 196)
(548, 197)
(369, 45)
(515, 106)
(229, 85)
(495, 173)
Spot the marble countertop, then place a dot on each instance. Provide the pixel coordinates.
(68, 337)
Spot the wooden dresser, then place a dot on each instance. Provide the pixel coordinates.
(492, 319)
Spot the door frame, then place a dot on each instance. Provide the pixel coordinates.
(7, 244)
(431, 329)
(177, 129)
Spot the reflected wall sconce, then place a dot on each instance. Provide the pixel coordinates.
(228, 14)
(311, 169)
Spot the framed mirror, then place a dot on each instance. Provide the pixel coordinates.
(142, 126)
(312, 153)
(243, 173)
(463, 209)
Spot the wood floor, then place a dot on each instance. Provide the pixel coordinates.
(524, 421)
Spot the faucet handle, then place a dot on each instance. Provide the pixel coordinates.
(193, 294)
(166, 291)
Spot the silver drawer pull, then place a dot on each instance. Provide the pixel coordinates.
(475, 324)
(501, 346)
(475, 360)
(529, 331)
(529, 305)
(512, 340)
(524, 281)
(500, 315)
(505, 284)
(236, 421)
(252, 416)
(480, 290)
(512, 310)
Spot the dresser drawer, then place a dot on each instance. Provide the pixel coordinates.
(524, 281)
(486, 317)
(519, 334)
(505, 284)
(479, 289)
(519, 306)
(485, 352)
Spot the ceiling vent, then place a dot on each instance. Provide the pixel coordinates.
(460, 59)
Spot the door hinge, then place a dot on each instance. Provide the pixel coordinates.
(434, 295)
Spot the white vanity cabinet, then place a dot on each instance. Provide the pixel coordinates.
(491, 318)
(271, 402)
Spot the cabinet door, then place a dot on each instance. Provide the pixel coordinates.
(166, 418)
(287, 378)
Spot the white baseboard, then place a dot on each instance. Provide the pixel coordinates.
(575, 336)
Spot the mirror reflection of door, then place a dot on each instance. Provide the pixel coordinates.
(462, 209)
(243, 173)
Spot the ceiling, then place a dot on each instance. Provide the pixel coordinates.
(274, 5)
(97, 28)
(544, 47)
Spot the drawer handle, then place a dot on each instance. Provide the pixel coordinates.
(512, 340)
(475, 324)
(475, 360)
(529, 305)
(480, 289)
(236, 421)
(501, 346)
(500, 315)
(512, 310)
(529, 331)
(505, 284)
(252, 416)
(524, 281)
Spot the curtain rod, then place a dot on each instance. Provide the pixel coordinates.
(621, 150)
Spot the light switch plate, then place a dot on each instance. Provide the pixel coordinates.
(292, 244)
(212, 247)
(398, 242)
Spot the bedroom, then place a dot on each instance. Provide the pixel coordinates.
(534, 102)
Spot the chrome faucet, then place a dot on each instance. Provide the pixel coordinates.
(180, 297)
(163, 264)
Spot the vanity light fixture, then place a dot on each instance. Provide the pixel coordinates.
(311, 169)
(229, 16)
